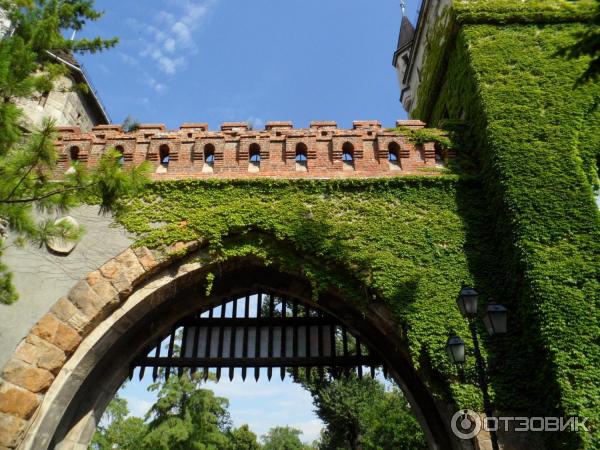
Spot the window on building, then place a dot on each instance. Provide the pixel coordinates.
(254, 153)
(301, 152)
(254, 158)
(209, 154)
(348, 152)
(439, 155)
(121, 151)
(163, 155)
(394, 156)
(74, 153)
(348, 156)
(209, 159)
(301, 157)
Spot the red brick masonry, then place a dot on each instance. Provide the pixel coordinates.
(279, 147)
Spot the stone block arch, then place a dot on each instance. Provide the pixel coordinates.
(64, 373)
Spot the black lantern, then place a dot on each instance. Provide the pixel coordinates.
(455, 347)
(467, 301)
(495, 319)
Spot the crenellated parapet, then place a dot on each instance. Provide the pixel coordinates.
(236, 151)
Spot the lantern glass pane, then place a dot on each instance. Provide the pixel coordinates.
(456, 350)
(459, 353)
(496, 319)
(467, 301)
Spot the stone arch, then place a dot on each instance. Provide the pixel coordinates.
(91, 334)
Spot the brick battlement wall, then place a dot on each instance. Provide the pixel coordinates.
(280, 151)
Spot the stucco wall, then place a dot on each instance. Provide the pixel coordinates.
(41, 277)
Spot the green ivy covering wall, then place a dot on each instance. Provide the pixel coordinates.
(405, 241)
(534, 135)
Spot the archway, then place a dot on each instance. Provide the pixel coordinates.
(140, 294)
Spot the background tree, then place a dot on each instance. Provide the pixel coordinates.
(283, 438)
(243, 438)
(185, 416)
(118, 430)
(361, 414)
(27, 161)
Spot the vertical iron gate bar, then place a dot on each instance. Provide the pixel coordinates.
(157, 355)
(170, 351)
(258, 334)
(332, 335)
(195, 344)
(359, 353)
(245, 343)
(207, 353)
(232, 336)
(345, 347)
(270, 338)
(307, 341)
(283, 352)
(183, 348)
(221, 333)
(295, 337)
(320, 345)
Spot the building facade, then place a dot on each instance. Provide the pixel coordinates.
(67, 104)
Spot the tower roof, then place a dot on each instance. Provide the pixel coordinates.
(407, 33)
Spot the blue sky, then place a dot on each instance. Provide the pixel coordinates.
(231, 60)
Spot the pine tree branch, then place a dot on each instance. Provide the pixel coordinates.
(49, 194)
(19, 183)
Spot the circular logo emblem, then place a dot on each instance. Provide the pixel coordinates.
(466, 424)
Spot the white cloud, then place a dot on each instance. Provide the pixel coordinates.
(138, 407)
(158, 87)
(129, 60)
(167, 40)
(182, 33)
(170, 45)
(311, 430)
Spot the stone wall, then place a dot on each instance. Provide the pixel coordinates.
(65, 105)
(41, 277)
(284, 151)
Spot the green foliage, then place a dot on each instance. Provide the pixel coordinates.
(588, 44)
(124, 432)
(186, 416)
(399, 240)
(243, 438)
(283, 438)
(524, 11)
(423, 135)
(360, 414)
(534, 140)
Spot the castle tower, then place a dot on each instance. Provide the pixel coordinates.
(516, 77)
(402, 58)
